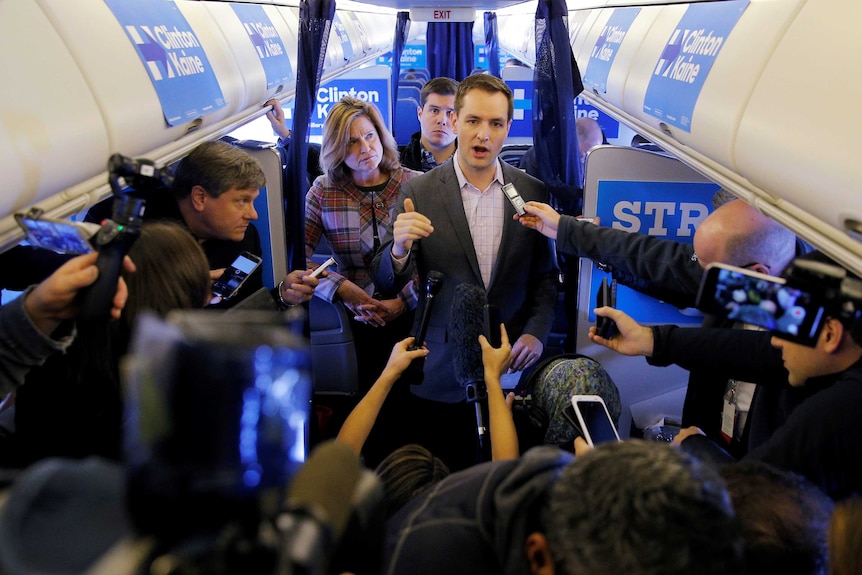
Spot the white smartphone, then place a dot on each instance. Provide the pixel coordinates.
(232, 279)
(319, 269)
(594, 421)
(515, 198)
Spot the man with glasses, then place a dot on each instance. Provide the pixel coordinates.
(735, 234)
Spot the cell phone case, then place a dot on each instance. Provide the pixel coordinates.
(492, 325)
(606, 296)
(572, 419)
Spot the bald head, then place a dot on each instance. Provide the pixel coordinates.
(739, 235)
(589, 135)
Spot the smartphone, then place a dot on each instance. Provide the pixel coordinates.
(515, 198)
(594, 421)
(234, 276)
(58, 235)
(321, 268)
(606, 296)
(492, 325)
(761, 300)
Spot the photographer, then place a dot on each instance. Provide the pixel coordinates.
(40, 322)
(212, 195)
(72, 405)
(820, 437)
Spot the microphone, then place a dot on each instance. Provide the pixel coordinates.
(433, 283)
(415, 373)
(320, 502)
(468, 322)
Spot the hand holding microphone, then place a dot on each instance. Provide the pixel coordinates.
(433, 283)
(415, 372)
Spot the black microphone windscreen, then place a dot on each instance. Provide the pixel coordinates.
(467, 321)
(433, 282)
(324, 486)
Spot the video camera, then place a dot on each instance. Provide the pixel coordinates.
(116, 236)
(217, 412)
(793, 307)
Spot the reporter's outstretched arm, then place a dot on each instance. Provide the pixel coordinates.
(631, 337)
(496, 360)
(55, 299)
(542, 218)
(358, 424)
(29, 325)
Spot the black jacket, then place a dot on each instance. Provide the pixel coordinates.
(819, 437)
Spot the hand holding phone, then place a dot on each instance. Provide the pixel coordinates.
(492, 325)
(235, 276)
(606, 296)
(322, 267)
(593, 419)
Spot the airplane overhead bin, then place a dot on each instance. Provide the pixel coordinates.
(755, 94)
(52, 133)
(90, 80)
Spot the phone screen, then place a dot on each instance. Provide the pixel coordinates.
(232, 279)
(763, 301)
(597, 421)
(53, 235)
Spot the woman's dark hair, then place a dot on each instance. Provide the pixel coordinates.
(172, 272)
(407, 472)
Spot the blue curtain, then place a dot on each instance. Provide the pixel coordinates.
(315, 23)
(402, 28)
(450, 49)
(492, 48)
(556, 83)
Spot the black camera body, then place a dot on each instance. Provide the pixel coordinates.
(840, 292)
(117, 235)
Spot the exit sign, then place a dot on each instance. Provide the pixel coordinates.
(442, 14)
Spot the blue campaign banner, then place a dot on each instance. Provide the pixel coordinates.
(173, 57)
(413, 56)
(267, 43)
(610, 127)
(374, 90)
(341, 33)
(687, 58)
(522, 119)
(670, 210)
(606, 47)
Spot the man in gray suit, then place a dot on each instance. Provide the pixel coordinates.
(456, 220)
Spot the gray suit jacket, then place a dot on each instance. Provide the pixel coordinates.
(523, 285)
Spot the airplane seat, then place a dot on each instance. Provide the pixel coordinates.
(410, 91)
(406, 83)
(333, 353)
(512, 153)
(333, 357)
(406, 121)
(415, 74)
